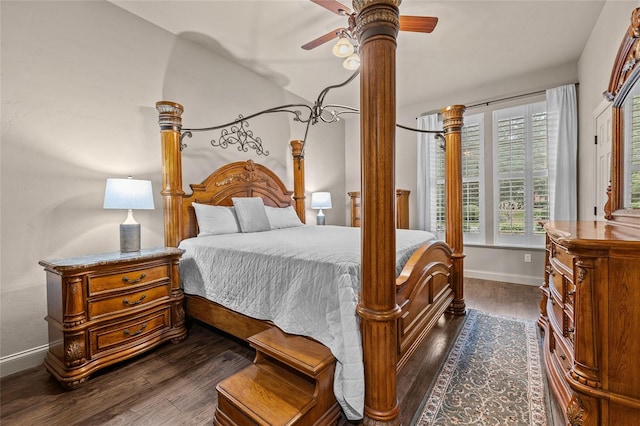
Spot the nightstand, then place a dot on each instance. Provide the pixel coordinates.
(105, 308)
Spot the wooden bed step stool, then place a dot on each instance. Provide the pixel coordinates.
(289, 383)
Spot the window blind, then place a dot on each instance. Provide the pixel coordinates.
(521, 174)
(472, 183)
(633, 179)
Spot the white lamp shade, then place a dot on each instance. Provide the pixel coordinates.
(321, 200)
(352, 62)
(343, 47)
(128, 194)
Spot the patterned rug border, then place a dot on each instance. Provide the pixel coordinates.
(538, 406)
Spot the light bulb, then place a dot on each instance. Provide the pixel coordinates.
(352, 62)
(343, 47)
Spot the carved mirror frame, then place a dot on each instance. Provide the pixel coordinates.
(624, 76)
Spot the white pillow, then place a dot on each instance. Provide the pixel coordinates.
(282, 217)
(215, 220)
(252, 216)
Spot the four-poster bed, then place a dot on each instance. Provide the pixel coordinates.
(395, 311)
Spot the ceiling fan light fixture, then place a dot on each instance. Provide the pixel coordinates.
(343, 47)
(352, 62)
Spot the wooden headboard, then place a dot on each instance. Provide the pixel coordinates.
(239, 179)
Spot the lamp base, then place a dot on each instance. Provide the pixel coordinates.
(129, 238)
(320, 219)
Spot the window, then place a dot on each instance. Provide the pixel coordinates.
(521, 175)
(472, 172)
(472, 182)
(632, 152)
(505, 175)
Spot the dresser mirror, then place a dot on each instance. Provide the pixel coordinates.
(624, 90)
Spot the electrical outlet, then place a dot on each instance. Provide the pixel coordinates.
(527, 257)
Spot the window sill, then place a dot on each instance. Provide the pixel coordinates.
(503, 247)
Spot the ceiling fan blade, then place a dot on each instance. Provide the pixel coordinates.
(418, 24)
(323, 39)
(333, 6)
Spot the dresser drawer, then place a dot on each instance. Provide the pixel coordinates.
(564, 358)
(117, 335)
(130, 278)
(556, 314)
(127, 300)
(570, 294)
(569, 330)
(560, 255)
(556, 283)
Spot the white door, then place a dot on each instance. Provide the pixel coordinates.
(603, 132)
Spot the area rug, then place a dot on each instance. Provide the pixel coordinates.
(492, 376)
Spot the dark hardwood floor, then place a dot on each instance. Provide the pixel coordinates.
(175, 384)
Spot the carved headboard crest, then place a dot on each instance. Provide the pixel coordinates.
(249, 175)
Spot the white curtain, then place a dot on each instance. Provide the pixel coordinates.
(562, 136)
(426, 150)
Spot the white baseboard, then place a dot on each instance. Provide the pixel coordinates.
(509, 278)
(22, 360)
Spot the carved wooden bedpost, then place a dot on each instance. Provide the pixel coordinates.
(298, 179)
(452, 124)
(377, 27)
(170, 120)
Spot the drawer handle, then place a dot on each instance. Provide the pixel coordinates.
(126, 331)
(137, 280)
(570, 330)
(563, 357)
(135, 302)
(571, 292)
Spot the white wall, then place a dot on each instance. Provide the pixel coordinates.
(79, 85)
(594, 70)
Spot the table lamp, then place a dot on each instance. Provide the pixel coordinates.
(320, 200)
(128, 194)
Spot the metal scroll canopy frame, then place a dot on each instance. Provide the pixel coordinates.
(237, 132)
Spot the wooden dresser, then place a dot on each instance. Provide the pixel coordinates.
(402, 208)
(590, 312)
(105, 308)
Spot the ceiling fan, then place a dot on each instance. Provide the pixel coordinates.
(420, 24)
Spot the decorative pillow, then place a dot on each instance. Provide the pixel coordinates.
(215, 220)
(252, 216)
(282, 217)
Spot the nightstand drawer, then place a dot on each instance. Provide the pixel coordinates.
(127, 279)
(117, 335)
(127, 300)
